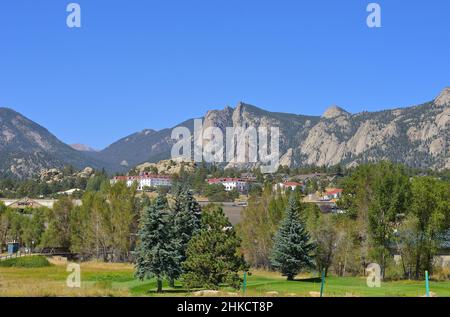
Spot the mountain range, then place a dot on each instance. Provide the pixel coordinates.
(418, 136)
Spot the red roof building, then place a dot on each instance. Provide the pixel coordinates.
(334, 193)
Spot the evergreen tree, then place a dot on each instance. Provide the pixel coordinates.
(292, 247)
(157, 254)
(185, 223)
(187, 218)
(194, 208)
(212, 254)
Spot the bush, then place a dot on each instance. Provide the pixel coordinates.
(394, 272)
(26, 262)
(441, 273)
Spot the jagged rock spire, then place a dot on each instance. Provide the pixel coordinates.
(443, 98)
(334, 112)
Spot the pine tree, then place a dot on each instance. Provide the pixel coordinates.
(157, 254)
(192, 207)
(185, 223)
(187, 218)
(212, 254)
(292, 247)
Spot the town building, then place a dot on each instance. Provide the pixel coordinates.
(28, 203)
(70, 191)
(230, 184)
(289, 185)
(248, 177)
(144, 181)
(332, 194)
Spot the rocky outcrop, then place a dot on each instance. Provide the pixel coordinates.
(444, 98)
(166, 167)
(55, 175)
(335, 112)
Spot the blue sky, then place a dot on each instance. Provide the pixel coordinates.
(152, 64)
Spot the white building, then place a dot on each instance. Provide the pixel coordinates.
(70, 191)
(230, 183)
(145, 180)
(288, 185)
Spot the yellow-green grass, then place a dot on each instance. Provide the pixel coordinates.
(105, 279)
(26, 262)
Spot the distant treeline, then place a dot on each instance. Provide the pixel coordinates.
(38, 188)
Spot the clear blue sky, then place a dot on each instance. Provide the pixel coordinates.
(152, 64)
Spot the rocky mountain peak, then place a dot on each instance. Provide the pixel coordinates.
(5, 110)
(240, 107)
(224, 112)
(443, 98)
(334, 112)
(8, 114)
(26, 147)
(218, 118)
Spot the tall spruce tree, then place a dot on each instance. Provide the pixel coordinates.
(185, 223)
(212, 254)
(292, 250)
(157, 254)
(186, 219)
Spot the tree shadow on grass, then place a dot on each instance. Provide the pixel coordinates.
(175, 290)
(167, 292)
(309, 280)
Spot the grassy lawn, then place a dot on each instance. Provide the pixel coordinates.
(100, 279)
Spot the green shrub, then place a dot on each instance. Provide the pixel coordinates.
(394, 272)
(26, 262)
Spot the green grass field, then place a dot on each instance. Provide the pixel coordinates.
(101, 279)
(26, 262)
